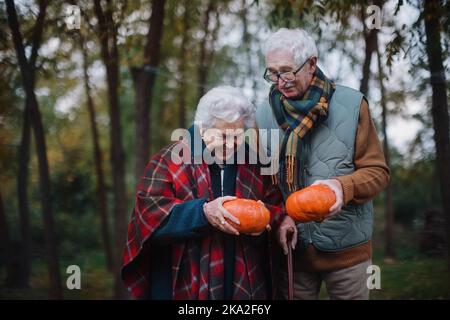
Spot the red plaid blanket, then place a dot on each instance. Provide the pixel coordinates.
(197, 271)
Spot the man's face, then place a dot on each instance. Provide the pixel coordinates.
(224, 138)
(283, 61)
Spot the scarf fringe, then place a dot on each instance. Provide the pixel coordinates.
(290, 172)
(274, 178)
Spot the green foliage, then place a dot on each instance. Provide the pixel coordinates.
(74, 192)
(415, 189)
(96, 281)
(410, 279)
(411, 40)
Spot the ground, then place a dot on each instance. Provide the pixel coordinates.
(410, 276)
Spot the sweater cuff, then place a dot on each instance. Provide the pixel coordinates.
(347, 187)
(202, 215)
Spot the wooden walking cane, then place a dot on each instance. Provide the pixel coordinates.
(289, 235)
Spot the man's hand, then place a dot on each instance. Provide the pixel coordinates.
(287, 229)
(336, 186)
(215, 214)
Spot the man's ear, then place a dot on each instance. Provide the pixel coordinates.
(312, 65)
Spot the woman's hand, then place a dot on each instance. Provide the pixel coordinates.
(215, 214)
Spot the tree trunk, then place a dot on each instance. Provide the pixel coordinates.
(182, 67)
(110, 56)
(246, 38)
(7, 255)
(370, 41)
(144, 81)
(98, 159)
(4, 229)
(439, 107)
(24, 260)
(41, 149)
(202, 72)
(388, 206)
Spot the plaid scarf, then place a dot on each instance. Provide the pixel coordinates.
(197, 264)
(297, 118)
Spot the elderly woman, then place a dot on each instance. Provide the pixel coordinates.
(180, 244)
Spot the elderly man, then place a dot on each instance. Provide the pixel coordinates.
(180, 245)
(327, 137)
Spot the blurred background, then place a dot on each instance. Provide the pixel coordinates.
(89, 90)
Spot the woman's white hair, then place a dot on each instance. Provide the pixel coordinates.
(298, 41)
(225, 103)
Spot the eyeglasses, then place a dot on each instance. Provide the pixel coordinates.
(285, 76)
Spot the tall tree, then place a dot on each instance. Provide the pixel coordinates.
(107, 31)
(17, 261)
(208, 39)
(388, 205)
(31, 104)
(144, 81)
(24, 263)
(370, 42)
(182, 66)
(432, 13)
(246, 39)
(6, 247)
(98, 159)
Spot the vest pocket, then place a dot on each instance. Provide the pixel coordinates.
(345, 230)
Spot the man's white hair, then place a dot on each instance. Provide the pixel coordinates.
(225, 103)
(298, 41)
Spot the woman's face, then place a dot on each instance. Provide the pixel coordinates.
(224, 138)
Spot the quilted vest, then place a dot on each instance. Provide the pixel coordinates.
(329, 153)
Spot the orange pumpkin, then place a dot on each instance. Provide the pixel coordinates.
(311, 203)
(253, 216)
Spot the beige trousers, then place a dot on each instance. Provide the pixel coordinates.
(345, 284)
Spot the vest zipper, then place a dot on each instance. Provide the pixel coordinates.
(308, 229)
(221, 180)
(309, 232)
(305, 170)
